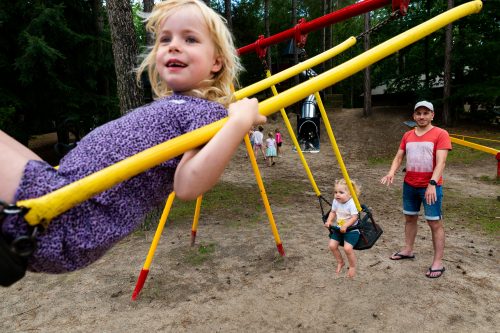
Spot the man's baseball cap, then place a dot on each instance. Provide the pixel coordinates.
(425, 104)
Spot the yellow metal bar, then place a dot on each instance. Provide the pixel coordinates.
(295, 142)
(263, 193)
(475, 146)
(292, 71)
(159, 230)
(45, 208)
(336, 150)
(473, 137)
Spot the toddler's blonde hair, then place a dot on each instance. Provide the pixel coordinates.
(355, 185)
(217, 88)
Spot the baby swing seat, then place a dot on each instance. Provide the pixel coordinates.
(369, 231)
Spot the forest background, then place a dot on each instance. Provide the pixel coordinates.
(66, 66)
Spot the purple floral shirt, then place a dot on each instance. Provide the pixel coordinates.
(83, 234)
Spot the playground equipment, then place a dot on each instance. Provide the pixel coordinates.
(370, 231)
(308, 123)
(300, 31)
(43, 209)
(40, 211)
(479, 147)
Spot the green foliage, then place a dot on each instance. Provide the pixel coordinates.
(55, 64)
(139, 26)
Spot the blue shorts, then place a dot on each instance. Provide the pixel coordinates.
(413, 197)
(350, 237)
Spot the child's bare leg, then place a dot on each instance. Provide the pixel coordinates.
(12, 162)
(334, 247)
(351, 258)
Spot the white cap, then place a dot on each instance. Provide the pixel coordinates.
(425, 104)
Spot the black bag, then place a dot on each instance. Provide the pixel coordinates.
(369, 231)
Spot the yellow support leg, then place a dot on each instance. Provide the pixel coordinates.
(263, 194)
(196, 218)
(152, 249)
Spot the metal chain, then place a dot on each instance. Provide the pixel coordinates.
(394, 15)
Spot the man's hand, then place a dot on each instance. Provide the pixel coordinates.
(430, 195)
(387, 179)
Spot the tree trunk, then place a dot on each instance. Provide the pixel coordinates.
(323, 34)
(426, 50)
(267, 24)
(328, 41)
(125, 52)
(295, 51)
(148, 8)
(227, 12)
(367, 109)
(447, 71)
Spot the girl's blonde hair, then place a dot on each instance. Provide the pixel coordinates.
(270, 134)
(356, 187)
(217, 88)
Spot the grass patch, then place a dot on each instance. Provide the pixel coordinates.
(199, 255)
(377, 160)
(466, 156)
(235, 205)
(488, 179)
(475, 213)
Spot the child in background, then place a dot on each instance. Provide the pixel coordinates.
(270, 149)
(258, 142)
(279, 141)
(191, 67)
(343, 215)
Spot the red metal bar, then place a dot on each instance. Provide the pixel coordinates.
(303, 28)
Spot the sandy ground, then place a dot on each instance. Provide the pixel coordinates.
(245, 285)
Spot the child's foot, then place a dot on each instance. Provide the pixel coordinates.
(339, 267)
(351, 272)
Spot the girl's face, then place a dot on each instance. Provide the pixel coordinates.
(341, 193)
(186, 53)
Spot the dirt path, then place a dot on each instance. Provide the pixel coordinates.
(246, 286)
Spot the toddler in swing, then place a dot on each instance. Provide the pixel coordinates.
(343, 215)
(191, 67)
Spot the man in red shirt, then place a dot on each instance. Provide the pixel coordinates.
(426, 148)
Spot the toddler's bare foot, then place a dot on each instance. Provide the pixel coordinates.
(339, 267)
(351, 272)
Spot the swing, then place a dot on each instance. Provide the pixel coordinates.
(14, 255)
(369, 231)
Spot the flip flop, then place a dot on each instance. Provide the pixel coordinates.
(430, 271)
(401, 256)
